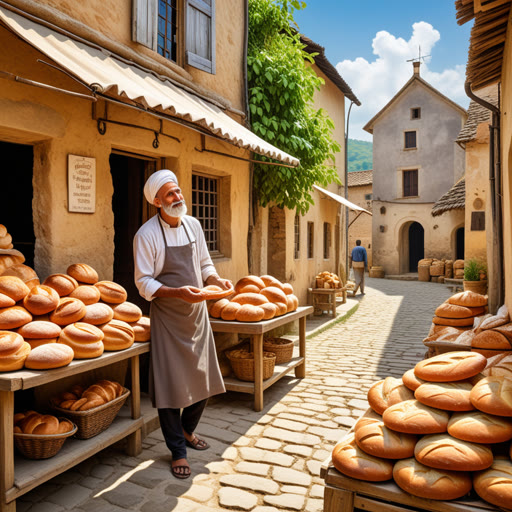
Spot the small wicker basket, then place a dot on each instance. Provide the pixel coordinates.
(94, 421)
(281, 347)
(34, 446)
(242, 363)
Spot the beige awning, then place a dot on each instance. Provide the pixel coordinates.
(110, 74)
(342, 200)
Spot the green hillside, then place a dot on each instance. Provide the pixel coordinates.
(360, 155)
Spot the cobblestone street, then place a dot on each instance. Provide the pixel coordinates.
(270, 460)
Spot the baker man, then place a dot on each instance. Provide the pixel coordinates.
(171, 265)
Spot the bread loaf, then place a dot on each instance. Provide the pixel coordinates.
(6, 242)
(447, 310)
(61, 283)
(5, 301)
(413, 417)
(479, 427)
(39, 329)
(450, 366)
(24, 272)
(489, 342)
(292, 302)
(229, 311)
(68, 311)
(288, 288)
(14, 317)
(500, 364)
(142, 329)
(249, 313)
(495, 484)
(453, 322)
(411, 381)
(249, 281)
(127, 312)
(13, 287)
(87, 293)
(442, 451)
(434, 484)
(111, 292)
(255, 299)
(272, 281)
(37, 342)
(216, 308)
(13, 351)
(83, 273)
(448, 396)
(506, 330)
(374, 438)
(84, 339)
(493, 395)
(39, 424)
(387, 392)
(52, 355)
(350, 460)
(118, 335)
(282, 308)
(468, 299)
(274, 294)
(269, 310)
(214, 292)
(41, 299)
(8, 260)
(98, 314)
(248, 288)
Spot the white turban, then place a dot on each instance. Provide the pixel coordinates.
(156, 181)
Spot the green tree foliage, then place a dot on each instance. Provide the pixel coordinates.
(359, 155)
(281, 90)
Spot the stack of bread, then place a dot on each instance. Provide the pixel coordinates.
(254, 299)
(75, 309)
(8, 255)
(84, 399)
(441, 430)
(31, 422)
(327, 280)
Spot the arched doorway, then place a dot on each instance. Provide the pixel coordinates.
(416, 245)
(459, 244)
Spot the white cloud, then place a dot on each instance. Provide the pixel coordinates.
(376, 82)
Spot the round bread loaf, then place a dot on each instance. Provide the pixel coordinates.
(51, 355)
(97, 314)
(274, 294)
(68, 311)
(83, 273)
(442, 451)
(468, 299)
(214, 292)
(447, 310)
(411, 381)
(61, 283)
(229, 311)
(216, 307)
(449, 396)
(13, 287)
(249, 313)
(14, 317)
(282, 308)
(269, 310)
(39, 329)
(272, 281)
(118, 335)
(41, 299)
(255, 299)
(87, 293)
(493, 395)
(374, 438)
(24, 272)
(6, 242)
(288, 288)
(142, 329)
(413, 417)
(248, 288)
(292, 302)
(387, 392)
(506, 330)
(84, 339)
(479, 427)
(500, 364)
(10, 343)
(490, 342)
(450, 366)
(127, 312)
(40, 341)
(454, 322)
(5, 301)
(350, 460)
(39, 424)
(249, 281)
(434, 484)
(495, 484)
(111, 292)
(13, 351)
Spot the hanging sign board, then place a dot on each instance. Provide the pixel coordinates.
(81, 184)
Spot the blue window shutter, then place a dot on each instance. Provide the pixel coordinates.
(200, 34)
(144, 19)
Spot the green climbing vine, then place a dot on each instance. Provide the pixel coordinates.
(281, 89)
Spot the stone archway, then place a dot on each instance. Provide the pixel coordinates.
(411, 246)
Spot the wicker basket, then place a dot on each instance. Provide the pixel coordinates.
(34, 446)
(281, 347)
(94, 421)
(423, 273)
(242, 363)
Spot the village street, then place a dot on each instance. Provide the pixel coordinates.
(270, 460)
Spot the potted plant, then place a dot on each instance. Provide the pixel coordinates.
(475, 276)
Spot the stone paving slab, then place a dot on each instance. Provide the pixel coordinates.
(266, 461)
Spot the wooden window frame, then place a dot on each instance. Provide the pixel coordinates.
(205, 202)
(413, 110)
(406, 133)
(311, 240)
(407, 187)
(296, 237)
(327, 240)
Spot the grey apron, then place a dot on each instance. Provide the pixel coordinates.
(183, 362)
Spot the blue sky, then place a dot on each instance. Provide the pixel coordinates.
(369, 42)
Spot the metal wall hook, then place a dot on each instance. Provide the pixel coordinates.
(156, 142)
(102, 126)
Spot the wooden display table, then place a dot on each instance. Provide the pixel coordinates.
(19, 475)
(325, 299)
(255, 331)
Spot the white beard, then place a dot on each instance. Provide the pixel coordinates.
(177, 210)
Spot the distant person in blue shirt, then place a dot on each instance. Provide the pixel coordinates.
(359, 261)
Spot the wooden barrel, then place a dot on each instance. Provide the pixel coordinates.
(377, 271)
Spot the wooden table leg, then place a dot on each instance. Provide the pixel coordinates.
(134, 445)
(257, 340)
(338, 500)
(300, 371)
(7, 449)
(333, 305)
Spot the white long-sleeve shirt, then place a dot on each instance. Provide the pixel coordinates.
(149, 251)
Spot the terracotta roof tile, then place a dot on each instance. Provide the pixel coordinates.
(454, 199)
(360, 178)
(477, 114)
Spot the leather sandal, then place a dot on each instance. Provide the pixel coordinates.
(181, 472)
(197, 443)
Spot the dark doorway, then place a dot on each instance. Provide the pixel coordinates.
(416, 245)
(16, 204)
(459, 244)
(128, 177)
